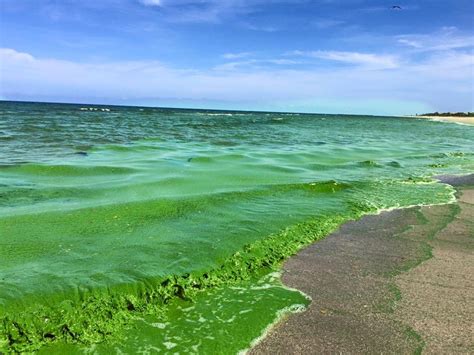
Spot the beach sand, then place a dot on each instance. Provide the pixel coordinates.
(465, 120)
(398, 282)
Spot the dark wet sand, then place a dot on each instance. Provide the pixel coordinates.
(398, 282)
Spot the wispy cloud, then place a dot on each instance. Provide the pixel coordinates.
(214, 11)
(410, 42)
(368, 60)
(196, 11)
(255, 64)
(236, 55)
(11, 55)
(261, 28)
(447, 38)
(446, 79)
(151, 2)
(230, 66)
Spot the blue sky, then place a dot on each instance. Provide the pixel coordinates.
(330, 56)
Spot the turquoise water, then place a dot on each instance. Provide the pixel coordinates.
(130, 213)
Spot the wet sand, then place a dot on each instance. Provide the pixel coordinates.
(398, 282)
(465, 120)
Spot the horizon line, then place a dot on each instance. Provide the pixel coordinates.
(202, 109)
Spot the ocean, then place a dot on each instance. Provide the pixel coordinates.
(133, 229)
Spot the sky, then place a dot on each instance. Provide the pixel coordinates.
(326, 56)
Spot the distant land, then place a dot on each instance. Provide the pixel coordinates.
(448, 114)
(459, 117)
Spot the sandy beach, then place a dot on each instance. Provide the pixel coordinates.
(404, 276)
(465, 120)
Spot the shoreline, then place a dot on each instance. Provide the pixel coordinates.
(273, 248)
(463, 120)
(372, 279)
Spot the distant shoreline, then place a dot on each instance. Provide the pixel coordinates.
(458, 119)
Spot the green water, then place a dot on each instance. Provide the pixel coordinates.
(218, 321)
(112, 221)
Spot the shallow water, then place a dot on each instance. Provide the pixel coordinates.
(219, 321)
(120, 207)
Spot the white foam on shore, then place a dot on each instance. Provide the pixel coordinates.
(281, 314)
(296, 308)
(447, 121)
(451, 200)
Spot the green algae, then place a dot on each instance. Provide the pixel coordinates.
(423, 233)
(430, 222)
(95, 318)
(171, 204)
(216, 321)
(98, 314)
(393, 296)
(415, 337)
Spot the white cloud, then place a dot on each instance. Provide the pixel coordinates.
(442, 82)
(9, 54)
(255, 64)
(198, 11)
(236, 55)
(234, 65)
(282, 61)
(260, 28)
(151, 2)
(447, 38)
(214, 11)
(410, 43)
(368, 60)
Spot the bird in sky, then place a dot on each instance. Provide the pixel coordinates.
(396, 7)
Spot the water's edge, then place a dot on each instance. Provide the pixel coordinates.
(100, 314)
(97, 317)
(458, 182)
